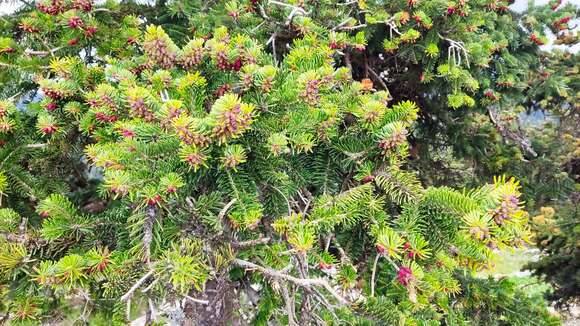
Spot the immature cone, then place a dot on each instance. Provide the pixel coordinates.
(90, 31)
(508, 206)
(51, 106)
(159, 47)
(195, 159)
(310, 93)
(221, 59)
(5, 126)
(26, 27)
(137, 99)
(84, 5)
(52, 7)
(5, 108)
(396, 139)
(154, 200)
(75, 22)
(49, 129)
(405, 276)
(231, 117)
(192, 53)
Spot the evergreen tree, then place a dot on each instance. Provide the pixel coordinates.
(190, 175)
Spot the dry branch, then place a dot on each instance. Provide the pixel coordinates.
(303, 282)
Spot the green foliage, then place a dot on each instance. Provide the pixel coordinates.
(166, 167)
(557, 234)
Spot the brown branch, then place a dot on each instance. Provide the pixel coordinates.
(303, 282)
(376, 76)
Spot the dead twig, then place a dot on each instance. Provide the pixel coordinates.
(30, 52)
(250, 243)
(224, 210)
(374, 273)
(148, 232)
(282, 4)
(303, 282)
(127, 296)
(196, 300)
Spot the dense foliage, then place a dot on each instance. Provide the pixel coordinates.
(268, 161)
(557, 237)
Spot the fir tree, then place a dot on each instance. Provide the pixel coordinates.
(204, 172)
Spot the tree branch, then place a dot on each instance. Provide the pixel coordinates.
(303, 282)
(376, 76)
(374, 273)
(224, 210)
(523, 142)
(196, 300)
(30, 52)
(148, 232)
(250, 243)
(135, 286)
(300, 10)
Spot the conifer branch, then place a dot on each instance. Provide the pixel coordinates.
(289, 301)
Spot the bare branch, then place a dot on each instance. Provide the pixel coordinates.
(36, 145)
(289, 305)
(22, 230)
(374, 273)
(127, 296)
(224, 210)
(300, 10)
(350, 28)
(272, 40)
(30, 52)
(148, 232)
(455, 51)
(196, 300)
(303, 282)
(250, 243)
